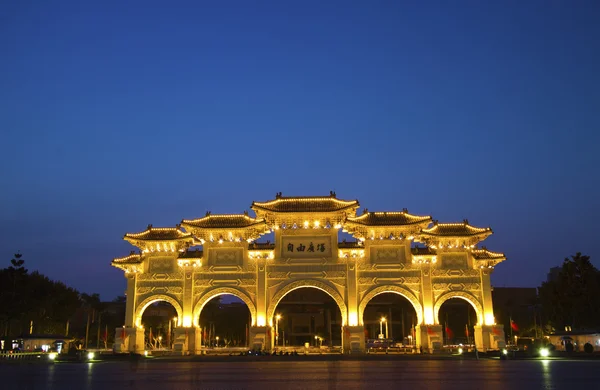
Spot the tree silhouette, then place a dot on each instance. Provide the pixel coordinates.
(573, 298)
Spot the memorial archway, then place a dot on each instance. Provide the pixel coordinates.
(224, 321)
(158, 317)
(391, 313)
(458, 319)
(310, 312)
(210, 294)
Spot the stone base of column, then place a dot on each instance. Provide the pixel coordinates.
(489, 337)
(260, 338)
(429, 338)
(197, 341)
(183, 339)
(353, 339)
(129, 340)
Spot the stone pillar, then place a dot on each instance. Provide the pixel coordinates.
(129, 339)
(353, 339)
(187, 300)
(260, 338)
(427, 296)
(195, 340)
(486, 295)
(352, 296)
(261, 295)
(429, 338)
(489, 337)
(181, 340)
(130, 301)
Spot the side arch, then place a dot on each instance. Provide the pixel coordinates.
(210, 294)
(406, 293)
(467, 296)
(156, 298)
(311, 283)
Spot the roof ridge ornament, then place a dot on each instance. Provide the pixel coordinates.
(149, 226)
(405, 210)
(466, 221)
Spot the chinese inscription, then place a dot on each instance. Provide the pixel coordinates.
(303, 248)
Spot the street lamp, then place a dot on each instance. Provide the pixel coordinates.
(381, 321)
(277, 318)
(217, 341)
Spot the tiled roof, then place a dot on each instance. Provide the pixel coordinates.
(455, 230)
(393, 218)
(484, 254)
(350, 245)
(159, 234)
(261, 245)
(133, 258)
(306, 204)
(223, 221)
(418, 251)
(195, 254)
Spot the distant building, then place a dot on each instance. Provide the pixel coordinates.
(577, 338)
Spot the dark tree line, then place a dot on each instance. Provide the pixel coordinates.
(572, 298)
(32, 303)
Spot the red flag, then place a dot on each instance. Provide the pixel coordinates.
(150, 335)
(449, 334)
(514, 326)
(466, 330)
(366, 333)
(123, 334)
(430, 332)
(496, 331)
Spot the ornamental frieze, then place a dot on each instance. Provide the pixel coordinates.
(454, 272)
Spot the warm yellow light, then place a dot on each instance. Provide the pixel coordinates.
(317, 224)
(305, 224)
(382, 319)
(261, 320)
(428, 317)
(187, 321)
(489, 319)
(353, 318)
(278, 317)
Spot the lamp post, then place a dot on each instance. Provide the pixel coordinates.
(217, 341)
(277, 318)
(381, 321)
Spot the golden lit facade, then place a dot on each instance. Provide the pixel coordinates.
(171, 267)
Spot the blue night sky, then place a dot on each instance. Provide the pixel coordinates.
(117, 114)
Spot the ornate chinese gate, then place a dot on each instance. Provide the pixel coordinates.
(306, 253)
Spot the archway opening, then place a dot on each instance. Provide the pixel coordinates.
(225, 322)
(159, 320)
(458, 318)
(307, 315)
(389, 318)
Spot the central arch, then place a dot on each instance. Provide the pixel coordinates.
(325, 287)
(472, 299)
(409, 295)
(153, 299)
(210, 294)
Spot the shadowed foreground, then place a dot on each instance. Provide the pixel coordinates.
(431, 374)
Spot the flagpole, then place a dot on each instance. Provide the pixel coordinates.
(511, 329)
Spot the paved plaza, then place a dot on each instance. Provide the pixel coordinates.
(336, 374)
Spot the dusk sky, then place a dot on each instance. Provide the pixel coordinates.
(117, 114)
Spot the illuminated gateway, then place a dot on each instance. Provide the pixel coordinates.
(306, 253)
